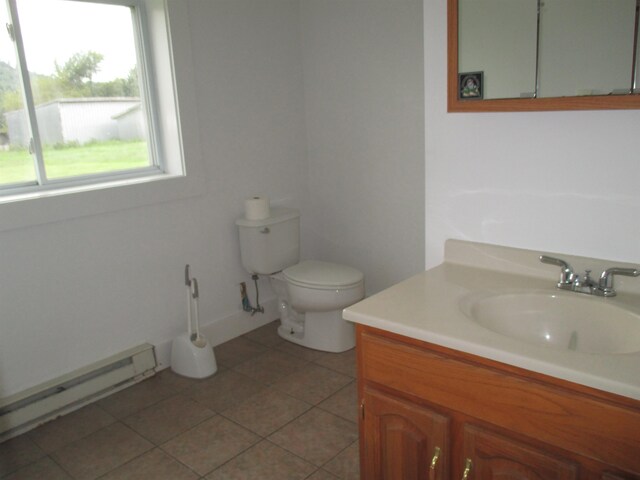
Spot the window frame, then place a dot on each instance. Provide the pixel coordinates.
(179, 133)
(148, 95)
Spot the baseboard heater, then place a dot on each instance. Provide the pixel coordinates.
(31, 407)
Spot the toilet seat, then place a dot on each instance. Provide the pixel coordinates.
(323, 275)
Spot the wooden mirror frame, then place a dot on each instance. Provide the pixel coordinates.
(454, 104)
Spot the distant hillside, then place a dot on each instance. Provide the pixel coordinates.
(8, 77)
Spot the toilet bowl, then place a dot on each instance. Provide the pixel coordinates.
(311, 294)
(322, 286)
(317, 292)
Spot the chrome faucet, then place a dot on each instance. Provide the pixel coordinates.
(569, 280)
(605, 285)
(567, 276)
(586, 284)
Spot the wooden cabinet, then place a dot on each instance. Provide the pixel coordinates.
(612, 476)
(495, 456)
(404, 440)
(486, 420)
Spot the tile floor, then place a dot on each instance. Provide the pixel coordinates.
(274, 410)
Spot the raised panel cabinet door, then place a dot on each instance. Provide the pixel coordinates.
(494, 457)
(614, 476)
(403, 440)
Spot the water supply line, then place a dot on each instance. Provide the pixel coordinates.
(246, 304)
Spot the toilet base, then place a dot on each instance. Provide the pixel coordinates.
(325, 331)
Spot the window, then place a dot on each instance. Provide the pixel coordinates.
(76, 103)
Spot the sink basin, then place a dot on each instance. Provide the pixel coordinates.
(565, 321)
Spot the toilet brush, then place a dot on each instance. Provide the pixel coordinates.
(191, 354)
(196, 338)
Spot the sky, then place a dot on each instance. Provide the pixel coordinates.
(53, 30)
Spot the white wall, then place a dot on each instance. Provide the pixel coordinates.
(556, 181)
(77, 289)
(364, 115)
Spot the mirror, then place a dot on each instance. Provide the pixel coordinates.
(600, 35)
(499, 38)
(528, 55)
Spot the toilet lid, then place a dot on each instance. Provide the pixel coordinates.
(317, 274)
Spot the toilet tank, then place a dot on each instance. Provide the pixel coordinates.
(270, 245)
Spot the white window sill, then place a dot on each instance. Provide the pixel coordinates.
(37, 208)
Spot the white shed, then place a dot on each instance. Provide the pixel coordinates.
(131, 124)
(68, 120)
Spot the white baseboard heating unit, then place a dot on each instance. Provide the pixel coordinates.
(34, 406)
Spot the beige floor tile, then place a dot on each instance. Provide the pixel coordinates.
(45, 469)
(67, 429)
(296, 350)
(224, 390)
(313, 383)
(168, 418)
(344, 362)
(156, 465)
(210, 444)
(346, 465)
(144, 394)
(270, 366)
(267, 411)
(173, 380)
(238, 350)
(101, 452)
(322, 475)
(18, 452)
(316, 443)
(317, 436)
(343, 403)
(266, 335)
(264, 461)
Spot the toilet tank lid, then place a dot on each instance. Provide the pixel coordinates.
(279, 214)
(322, 274)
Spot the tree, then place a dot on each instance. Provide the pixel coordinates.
(119, 87)
(75, 76)
(11, 100)
(74, 79)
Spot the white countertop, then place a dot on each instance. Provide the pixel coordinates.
(428, 307)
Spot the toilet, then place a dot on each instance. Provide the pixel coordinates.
(311, 294)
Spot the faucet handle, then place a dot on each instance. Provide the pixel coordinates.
(554, 261)
(605, 285)
(567, 276)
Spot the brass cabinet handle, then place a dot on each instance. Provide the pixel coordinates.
(436, 457)
(467, 469)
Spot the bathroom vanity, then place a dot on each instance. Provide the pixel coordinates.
(445, 396)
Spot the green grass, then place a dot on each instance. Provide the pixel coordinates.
(70, 161)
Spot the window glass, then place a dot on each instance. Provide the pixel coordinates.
(88, 96)
(16, 164)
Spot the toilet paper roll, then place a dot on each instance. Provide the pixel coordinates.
(256, 208)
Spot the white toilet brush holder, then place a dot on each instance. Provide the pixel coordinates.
(191, 354)
(190, 360)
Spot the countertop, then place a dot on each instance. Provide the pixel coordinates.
(430, 307)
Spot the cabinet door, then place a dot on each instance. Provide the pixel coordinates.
(613, 476)
(403, 440)
(496, 457)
